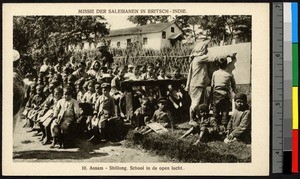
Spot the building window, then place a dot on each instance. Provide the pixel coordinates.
(128, 42)
(163, 34)
(172, 29)
(118, 44)
(145, 41)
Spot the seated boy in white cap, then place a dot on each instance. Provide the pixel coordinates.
(239, 126)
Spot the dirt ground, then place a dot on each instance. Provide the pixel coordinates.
(29, 149)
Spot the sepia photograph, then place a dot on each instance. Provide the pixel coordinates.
(127, 90)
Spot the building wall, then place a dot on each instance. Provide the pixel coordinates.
(154, 40)
(166, 42)
(122, 39)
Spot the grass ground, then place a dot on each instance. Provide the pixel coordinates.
(183, 150)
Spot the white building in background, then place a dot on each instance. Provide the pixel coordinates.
(152, 36)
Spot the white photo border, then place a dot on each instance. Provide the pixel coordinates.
(260, 91)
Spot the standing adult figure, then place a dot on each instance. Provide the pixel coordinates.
(198, 78)
(18, 89)
(105, 57)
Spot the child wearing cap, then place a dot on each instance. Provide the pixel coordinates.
(239, 125)
(104, 110)
(222, 83)
(162, 116)
(203, 125)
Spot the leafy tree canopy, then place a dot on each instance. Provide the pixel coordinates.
(50, 34)
(144, 20)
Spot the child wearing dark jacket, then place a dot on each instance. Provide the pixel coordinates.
(239, 126)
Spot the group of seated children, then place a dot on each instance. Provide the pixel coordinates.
(86, 101)
(238, 127)
(81, 98)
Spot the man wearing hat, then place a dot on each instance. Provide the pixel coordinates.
(16, 63)
(105, 57)
(239, 126)
(16, 57)
(198, 79)
(19, 89)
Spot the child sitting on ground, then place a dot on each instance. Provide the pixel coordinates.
(161, 116)
(239, 126)
(141, 115)
(203, 125)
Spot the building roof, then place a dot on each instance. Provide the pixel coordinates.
(145, 29)
(174, 36)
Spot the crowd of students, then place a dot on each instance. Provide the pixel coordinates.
(84, 97)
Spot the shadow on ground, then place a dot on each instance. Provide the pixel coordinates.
(51, 154)
(85, 150)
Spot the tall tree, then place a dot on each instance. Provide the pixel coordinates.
(144, 20)
(218, 28)
(189, 24)
(51, 35)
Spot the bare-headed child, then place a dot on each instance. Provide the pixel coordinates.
(239, 125)
(203, 124)
(222, 83)
(141, 115)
